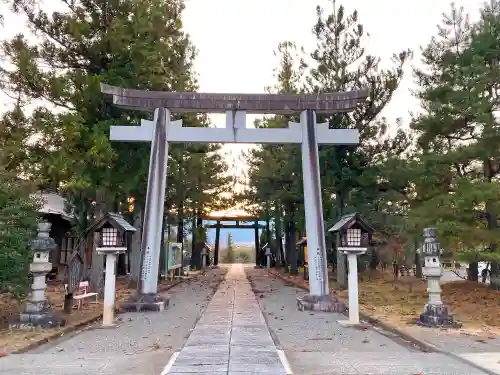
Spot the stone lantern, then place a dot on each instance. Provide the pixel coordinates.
(268, 254)
(37, 312)
(205, 255)
(435, 312)
(355, 235)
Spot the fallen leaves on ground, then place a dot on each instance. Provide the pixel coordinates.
(15, 339)
(400, 303)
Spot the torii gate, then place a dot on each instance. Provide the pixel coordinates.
(239, 218)
(162, 130)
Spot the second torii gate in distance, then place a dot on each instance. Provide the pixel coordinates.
(241, 221)
(162, 130)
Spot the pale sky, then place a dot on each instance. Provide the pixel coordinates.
(236, 38)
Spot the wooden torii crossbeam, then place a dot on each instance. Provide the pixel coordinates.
(280, 104)
(237, 226)
(162, 131)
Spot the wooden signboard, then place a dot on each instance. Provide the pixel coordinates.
(75, 272)
(74, 275)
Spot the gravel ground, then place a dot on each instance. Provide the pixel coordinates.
(316, 344)
(141, 345)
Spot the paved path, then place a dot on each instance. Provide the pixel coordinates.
(141, 345)
(232, 337)
(315, 344)
(243, 329)
(481, 348)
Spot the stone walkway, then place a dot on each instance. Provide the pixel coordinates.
(231, 337)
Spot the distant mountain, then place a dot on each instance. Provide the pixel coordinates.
(240, 236)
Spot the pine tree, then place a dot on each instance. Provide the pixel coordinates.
(458, 134)
(125, 43)
(230, 256)
(18, 208)
(129, 43)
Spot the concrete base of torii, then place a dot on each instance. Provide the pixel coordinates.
(145, 302)
(320, 303)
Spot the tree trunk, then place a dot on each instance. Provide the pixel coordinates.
(288, 266)
(341, 258)
(199, 224)
(279, 239)
(135, 248)
(121, 265)
(418, 265)
(96, 282)
(197, 244)
(162, 267)
(122, 259)
(492, 225)
(193, 244)
(180, 235)
(473, 272)
(258, 252)
(495, 276)
(292, 250)
(217, 244)
(270, 239)
(373, 258)
(268, 232)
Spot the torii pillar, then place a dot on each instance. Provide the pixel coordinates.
(217, 243)
(258, 260)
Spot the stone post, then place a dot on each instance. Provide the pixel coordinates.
(352, 261)
(435, 312)
(38, 312)
(268, 257)
(109, 291)
(204, 258)
(111, 255)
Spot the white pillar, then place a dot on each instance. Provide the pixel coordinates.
(155, 197)
(353, 289)
(109, 291)
(313, 206)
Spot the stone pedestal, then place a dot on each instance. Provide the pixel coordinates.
(42, 316)
(437, 316)
(320, 303)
